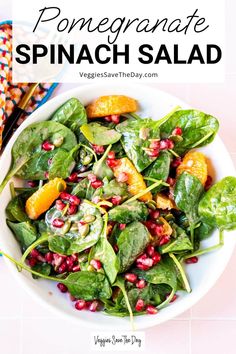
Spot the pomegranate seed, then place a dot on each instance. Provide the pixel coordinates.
(171, 181)
(159, 230)
(72, 209)
(164, 240)
(74, 257)
(92, 177)
(191, 260)
(141, 284)
(150, 250)
(115, 118)
(58, 223)
(80, 304)
(122, 226)
(154, 214)
(76, 268)
(208, 183)
(166, 144)
(111, 155)
(176, 162)
(122, 177)
(32, 262)
(177, 131)
(150, 225)
(47, 146)
(163, 144)
(170, 144)
(155, 144)
(116, 248)
(112, 163)
(41, 258)
(69, 262)
(99, 149)
(34, 253)
(139, 305)
(148, 262)
(156, 258)
(57, 259)
(132, 278)
(152, 152)
(65, 196)
(60, 205)
(73, 177)
(97, 184)
(62, 287)
(46, 174)
(32, 184)
(93, 306)
(96, 264)
(142, 266)
(141, 258)
(62, 268)
(74, 200)
(49, 257)
(116, 200)
(108, 118)
(151, 310)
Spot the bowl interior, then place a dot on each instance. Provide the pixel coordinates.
(202, 276)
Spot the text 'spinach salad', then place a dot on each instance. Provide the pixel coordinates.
(116, 203)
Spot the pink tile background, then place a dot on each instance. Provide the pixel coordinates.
(209, 327)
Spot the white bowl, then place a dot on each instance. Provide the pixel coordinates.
(202, 276)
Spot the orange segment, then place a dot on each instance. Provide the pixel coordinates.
(108, 105)
(167, 229)
(135, 181)
(42, 199)
(163, 202)
(194, 162)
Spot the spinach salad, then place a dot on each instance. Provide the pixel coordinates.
(115, 205)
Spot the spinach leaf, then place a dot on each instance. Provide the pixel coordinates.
(83, 189)
(15, 209)
(162, 273)
(135, 294)
(159, 169)
(62, 163)
(75, 241)
(72, 114)
(199, 129)
(98, 134)
(27, 148)
(59, 244)
(42, 268)
(135, 138)
(180, 243)
(203, 231)
(100, 168)
(218, 206)
(131, 243)
(118, 309)
(187, 194)
(114, 188)
(125, 213)
(25, 233)
(88, 285)
(103, 251)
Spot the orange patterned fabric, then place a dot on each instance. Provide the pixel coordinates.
(10, 94)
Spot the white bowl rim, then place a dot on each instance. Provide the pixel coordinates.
(58, 100)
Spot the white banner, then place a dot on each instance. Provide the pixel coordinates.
(81, 41)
